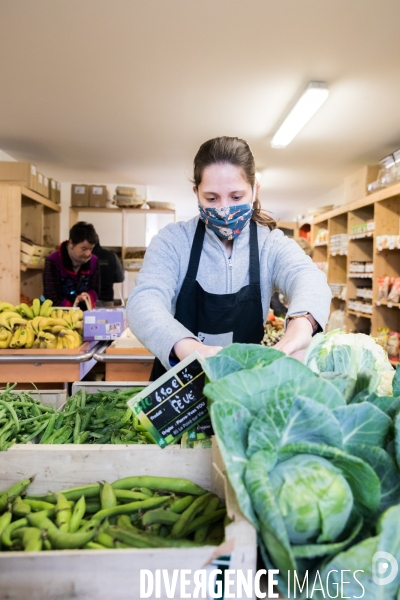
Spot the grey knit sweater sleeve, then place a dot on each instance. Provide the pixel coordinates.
(300, 280)
(151, 305)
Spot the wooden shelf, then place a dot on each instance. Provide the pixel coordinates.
(139, 211)
(387, 304)
(33, 267)
(362, 236)
(338, 254)
(26, 193)
(390, 192)
(360, 275)
(359, 314)
(320, 244)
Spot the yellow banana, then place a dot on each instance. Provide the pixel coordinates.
(36, 307)
(46, 335)
(56, 329)
(60, 313)
(78, 325)
(3, 334)
(15, 339)
(53, 314)
(6, 306)
(16, 321)
(23, 337)
(26, 311)
(6, 343)
(45, 307)
(68, 317)
(5, 316)
(76, 315)
(30, 337)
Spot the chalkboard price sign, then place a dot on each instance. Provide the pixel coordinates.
(173, 404)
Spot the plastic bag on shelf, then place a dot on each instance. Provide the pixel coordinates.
(337, 320)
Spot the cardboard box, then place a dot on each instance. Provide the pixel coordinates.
(97, 196)
(356, 184)
(40, 186)
(53, 190)
(79, 195)
(19, 172)
(104, 323)
(32, 261)
(46, 190)
(105, 574)
(58, 192)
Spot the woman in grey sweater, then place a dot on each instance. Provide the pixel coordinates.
(207, 282)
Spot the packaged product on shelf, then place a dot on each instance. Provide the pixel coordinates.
(394, 294)
(369, 267)
(322, 237)
(387, 242)
(339, 243)
(383, 288)
(393, 345)
(371, 225)
(382, 337)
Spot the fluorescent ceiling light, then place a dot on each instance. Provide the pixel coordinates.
(313, 97)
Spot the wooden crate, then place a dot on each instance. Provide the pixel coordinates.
(129, 371)
(106, 574)
(44, 372)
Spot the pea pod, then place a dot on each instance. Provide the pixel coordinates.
(20, 508)
(63, 512)
(144, 540)
(41, 521)
(181, 504)
(105, 539)
(37, 505)
(32, 539)
(7, 532)
(167, 484)
(107, 497)
(124, 522)
(5, 520)
(77, 515)
(89, 491)
(128, 496)
(179, 528)
(201, 532)
(15, 490)
(204, 520)
(159, 516)
(70, 541)
(94, 546)
(131, 507)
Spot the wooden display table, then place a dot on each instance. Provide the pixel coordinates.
(41, 366)
(136, 369)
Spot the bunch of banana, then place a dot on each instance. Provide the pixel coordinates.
(6, 306)
(69, 338)
(5, 337)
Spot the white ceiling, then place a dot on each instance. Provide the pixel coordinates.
(127, 90)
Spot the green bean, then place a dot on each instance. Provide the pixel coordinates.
(168, 484)
(5, 520)
(56, 434)
(92, 507)
(125, 509)
(10, 408)
(94, 546)
(62, 439)
(41, 521)
(77, 428)
(179, 528)
(124, 522)
(49, 429)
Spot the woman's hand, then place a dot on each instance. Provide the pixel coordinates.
(186, 346)
(296, 339)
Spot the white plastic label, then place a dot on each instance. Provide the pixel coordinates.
(33, 169)
(40, 178)
(53, 184)
(97, 190)
(58, 185)
(79, 189)
(46, 181)
(90, 320)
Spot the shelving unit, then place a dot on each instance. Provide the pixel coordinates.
(24, 213)
(124, 228)
(384, 208)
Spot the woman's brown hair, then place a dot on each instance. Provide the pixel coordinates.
(234, 151)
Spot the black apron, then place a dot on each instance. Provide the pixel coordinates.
(219, 319)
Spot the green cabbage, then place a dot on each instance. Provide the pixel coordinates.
(352, 354)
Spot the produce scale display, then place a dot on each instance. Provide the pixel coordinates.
(310, 454)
